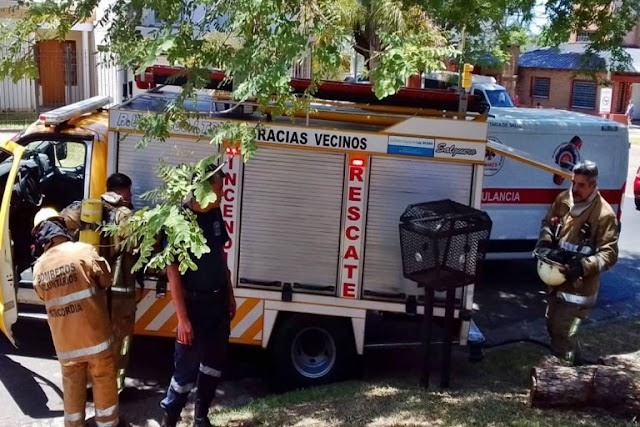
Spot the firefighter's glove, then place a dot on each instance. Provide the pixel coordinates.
(574, 270)
(548, 244)
(543, 248)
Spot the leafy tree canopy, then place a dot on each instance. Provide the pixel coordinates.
(256, 43)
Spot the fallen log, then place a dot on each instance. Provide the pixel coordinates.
(614, 387)
(628, 360)
(560, 386)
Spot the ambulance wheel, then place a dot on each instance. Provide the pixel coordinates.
(311, 350)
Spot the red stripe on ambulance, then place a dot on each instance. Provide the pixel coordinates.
(536, 196)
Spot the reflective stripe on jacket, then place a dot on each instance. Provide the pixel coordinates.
(70, 278)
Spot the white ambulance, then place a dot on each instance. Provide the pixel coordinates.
(517, 196)
(313, 217)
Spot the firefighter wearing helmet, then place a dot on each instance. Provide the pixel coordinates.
(578, 241)
(71, 279)
(116, 207)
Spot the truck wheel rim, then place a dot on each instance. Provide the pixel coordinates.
(313, 352)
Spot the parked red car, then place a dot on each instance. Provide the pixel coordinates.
(636, 189)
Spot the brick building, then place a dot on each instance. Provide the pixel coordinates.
(551, 77)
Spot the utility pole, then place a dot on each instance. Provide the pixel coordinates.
(462, 105)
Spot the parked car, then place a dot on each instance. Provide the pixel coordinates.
(636, 189)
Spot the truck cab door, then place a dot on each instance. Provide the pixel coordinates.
(8, 298)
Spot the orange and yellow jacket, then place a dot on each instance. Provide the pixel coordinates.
(71, 280)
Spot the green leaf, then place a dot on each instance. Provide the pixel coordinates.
(203, 194)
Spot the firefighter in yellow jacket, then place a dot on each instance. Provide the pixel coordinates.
(70, 278)
(117, 208)
(580, 235)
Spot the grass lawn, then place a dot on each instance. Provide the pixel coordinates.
(14, 120)
(493, 392)
(75, 155)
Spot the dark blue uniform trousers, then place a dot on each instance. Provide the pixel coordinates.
(200, 364)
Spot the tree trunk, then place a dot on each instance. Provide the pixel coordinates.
(614, 385)
(362, 46)
(629, 360)
(560, 386)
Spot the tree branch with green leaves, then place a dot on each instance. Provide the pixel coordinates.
(256, 43)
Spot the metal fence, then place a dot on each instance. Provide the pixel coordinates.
(67, 74)
(111, 78)
(18, 104)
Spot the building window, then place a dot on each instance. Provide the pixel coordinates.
(71, 61)
(583, 36)
(583, 95)
(540, 87)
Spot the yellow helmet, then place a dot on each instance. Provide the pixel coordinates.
(45, 214)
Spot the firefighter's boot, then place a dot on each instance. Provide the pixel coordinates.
(170, 419)
(201, 415)
(202, 422)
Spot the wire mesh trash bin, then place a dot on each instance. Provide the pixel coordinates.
(443, 246)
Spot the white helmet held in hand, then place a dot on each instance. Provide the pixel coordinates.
(550, 272)
(551, 265)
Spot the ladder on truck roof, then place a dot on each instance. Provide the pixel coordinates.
(361, 93)
(389, 115)
(220, 104)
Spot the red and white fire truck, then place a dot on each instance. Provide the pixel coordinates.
(313, 217)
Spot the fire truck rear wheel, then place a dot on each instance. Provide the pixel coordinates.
(311, 350)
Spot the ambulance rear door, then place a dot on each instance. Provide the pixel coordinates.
(558, 139)
(10, 156)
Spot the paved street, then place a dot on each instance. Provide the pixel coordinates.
(30, 380)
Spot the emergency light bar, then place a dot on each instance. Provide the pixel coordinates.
(71, 111)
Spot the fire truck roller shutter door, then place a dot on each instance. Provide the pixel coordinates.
(290, 218)
(141, 165)
(394, 184)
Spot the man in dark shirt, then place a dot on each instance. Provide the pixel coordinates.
(204, 304)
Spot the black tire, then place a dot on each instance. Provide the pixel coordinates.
(308, 350)
(638, 204)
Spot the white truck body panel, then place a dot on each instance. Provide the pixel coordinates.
(290, 211)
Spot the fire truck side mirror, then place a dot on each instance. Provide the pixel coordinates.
(61, 151)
